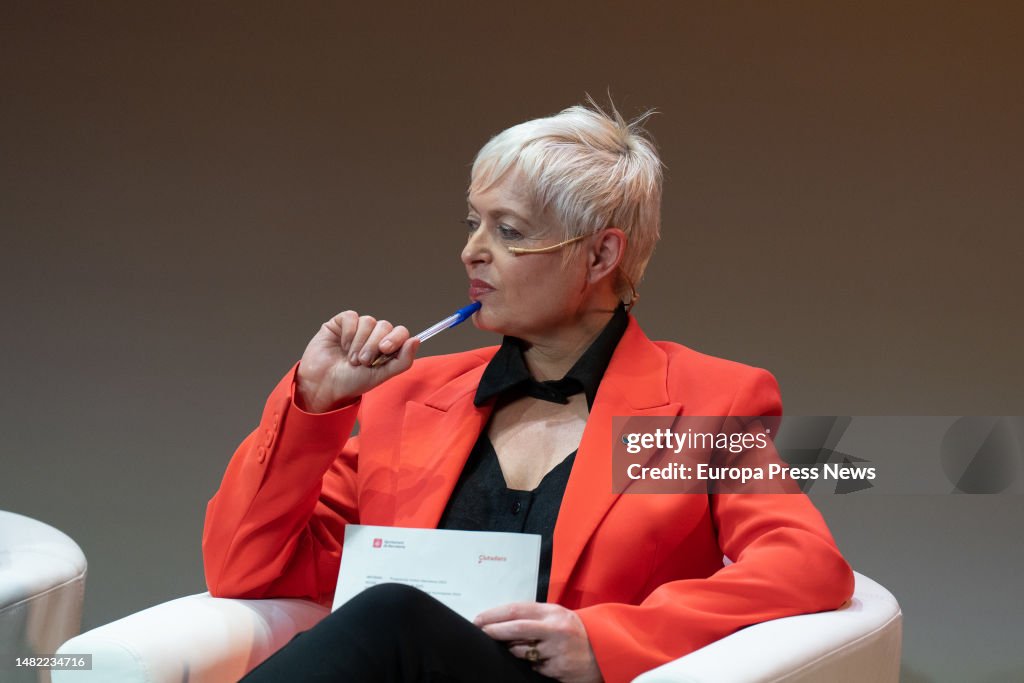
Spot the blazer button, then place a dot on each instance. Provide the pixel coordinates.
(516, 507)
(270, 437)
(261, 454)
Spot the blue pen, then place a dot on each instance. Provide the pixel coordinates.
(451, 321)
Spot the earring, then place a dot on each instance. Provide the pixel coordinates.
(633, 294)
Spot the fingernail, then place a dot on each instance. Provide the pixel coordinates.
(386, 345)
(364, 356)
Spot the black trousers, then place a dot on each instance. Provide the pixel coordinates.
(393, 633)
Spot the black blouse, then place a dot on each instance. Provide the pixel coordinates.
(481, 501)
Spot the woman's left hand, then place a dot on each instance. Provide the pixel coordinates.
(561, 644)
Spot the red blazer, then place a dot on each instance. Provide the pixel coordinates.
(643, 571)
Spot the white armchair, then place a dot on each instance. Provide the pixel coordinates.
(199, 639)
(42, 583)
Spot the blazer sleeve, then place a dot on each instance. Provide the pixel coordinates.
(785, 562)
(275, 526)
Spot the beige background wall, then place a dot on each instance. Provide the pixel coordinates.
(187, 192)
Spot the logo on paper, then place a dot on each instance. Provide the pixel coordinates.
(491, 558)
(378, 542)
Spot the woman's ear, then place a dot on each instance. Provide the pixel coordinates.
(605, 254)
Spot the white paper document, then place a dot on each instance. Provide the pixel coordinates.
(469, 571)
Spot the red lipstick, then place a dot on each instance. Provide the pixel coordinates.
(478, 288)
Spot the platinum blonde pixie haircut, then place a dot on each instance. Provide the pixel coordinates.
(592, 170)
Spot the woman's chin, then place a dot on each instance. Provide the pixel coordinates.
(487, 323)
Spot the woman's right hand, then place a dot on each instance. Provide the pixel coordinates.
(335, 368)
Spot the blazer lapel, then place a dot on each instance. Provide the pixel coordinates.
(634, 384)
(436, 440)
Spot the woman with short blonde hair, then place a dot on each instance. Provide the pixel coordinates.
(563, 213)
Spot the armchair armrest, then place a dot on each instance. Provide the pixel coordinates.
(198, 638)
(857, 642)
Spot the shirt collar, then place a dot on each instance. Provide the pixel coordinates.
(507, 371)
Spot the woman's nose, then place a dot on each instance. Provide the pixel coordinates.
(477, 249)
